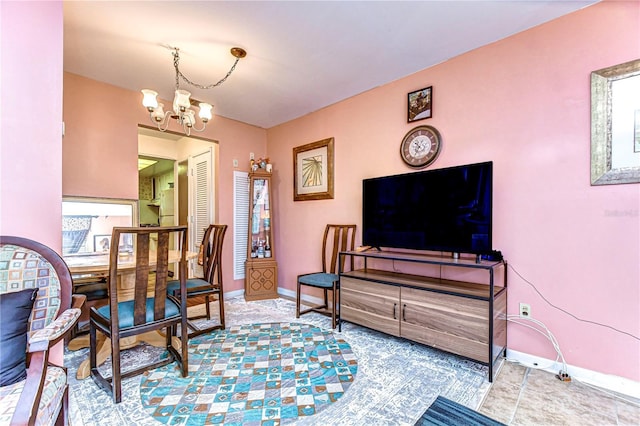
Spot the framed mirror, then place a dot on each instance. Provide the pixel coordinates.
(615, 124)
(87, 223)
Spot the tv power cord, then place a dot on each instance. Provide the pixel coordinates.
(510, 266)
(540, 327)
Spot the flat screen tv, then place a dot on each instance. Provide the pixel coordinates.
(445, 209)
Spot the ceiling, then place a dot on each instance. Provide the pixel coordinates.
(160, 166)
(301, 56)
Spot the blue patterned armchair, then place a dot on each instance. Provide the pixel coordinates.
(35, 295)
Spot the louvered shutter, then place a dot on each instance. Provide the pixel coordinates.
(240, 222)
(201, 190)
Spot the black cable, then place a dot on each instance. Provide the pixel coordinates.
(566, 312)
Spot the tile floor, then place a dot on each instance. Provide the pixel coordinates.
(518, 395)
(525, 396)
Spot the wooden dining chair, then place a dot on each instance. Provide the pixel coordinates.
(336, 238)
(143, 308)
(96, 291)
(211, 283)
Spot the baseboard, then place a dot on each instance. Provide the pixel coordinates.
(282, 292)
(291, 295)
(236, 293)
(610, 382)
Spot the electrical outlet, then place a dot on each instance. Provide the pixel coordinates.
(251, 156)
(235, 162)
(525, 310)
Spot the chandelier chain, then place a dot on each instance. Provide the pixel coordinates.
(176, 60)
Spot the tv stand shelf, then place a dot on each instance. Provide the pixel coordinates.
(440, 307)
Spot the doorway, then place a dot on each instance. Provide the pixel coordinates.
(156, 191)
(191, 175)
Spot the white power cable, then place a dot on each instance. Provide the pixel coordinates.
(516, 319)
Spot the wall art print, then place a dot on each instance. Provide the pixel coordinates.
(313, 171)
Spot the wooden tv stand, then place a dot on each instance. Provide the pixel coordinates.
(456, 305)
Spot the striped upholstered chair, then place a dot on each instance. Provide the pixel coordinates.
(35, 294)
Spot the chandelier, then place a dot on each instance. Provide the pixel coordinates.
(183, 106)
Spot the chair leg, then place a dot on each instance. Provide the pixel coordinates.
(221, 310)
(326, 301)
(116, 378)
(93, 347)
(208, 309)
(298, 300)
(184, 348)
(334, 301)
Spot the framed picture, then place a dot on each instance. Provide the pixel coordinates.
(102, 243)
(420, 105)
(615, 131)
(313, 171)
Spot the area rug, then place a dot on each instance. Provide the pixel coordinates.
(258, 374)
(444, 412)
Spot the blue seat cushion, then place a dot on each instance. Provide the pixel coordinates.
(319, 279)
(173, 287)
(125, 312)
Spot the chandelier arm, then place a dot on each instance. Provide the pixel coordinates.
(201, 86)
(204, 126)
(165, 121)
(186, 129)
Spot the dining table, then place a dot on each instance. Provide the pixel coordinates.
(96, 266)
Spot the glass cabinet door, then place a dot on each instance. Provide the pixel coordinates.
(261, 269)
(261, 239)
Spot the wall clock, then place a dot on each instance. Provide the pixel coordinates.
(421, 146)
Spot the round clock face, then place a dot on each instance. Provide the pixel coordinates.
(420, 146)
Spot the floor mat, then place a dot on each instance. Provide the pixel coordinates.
(444, 412)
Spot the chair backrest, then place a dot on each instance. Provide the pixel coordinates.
(337, 238)
(27, 264)
(212, 242)
(145, 262)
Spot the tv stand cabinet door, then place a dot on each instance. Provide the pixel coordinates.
(452, 323)
(370, 304)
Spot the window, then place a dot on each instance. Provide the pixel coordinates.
(87, 223)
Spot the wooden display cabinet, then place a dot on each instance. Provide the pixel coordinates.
(261, 270)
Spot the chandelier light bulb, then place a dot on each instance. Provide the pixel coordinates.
(157, 114)
(205, 113)
(189, 118)
(181, 102)
(149, 99)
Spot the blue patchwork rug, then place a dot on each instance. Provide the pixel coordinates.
(259, 374)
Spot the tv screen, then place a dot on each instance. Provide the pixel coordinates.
(438, 210)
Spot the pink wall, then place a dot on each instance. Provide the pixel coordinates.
(524, 103)
(101, 149)
(31, 155)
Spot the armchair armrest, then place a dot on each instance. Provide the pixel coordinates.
(43, 339)
(38, 349)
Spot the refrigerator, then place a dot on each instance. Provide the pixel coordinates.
(167, 217)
